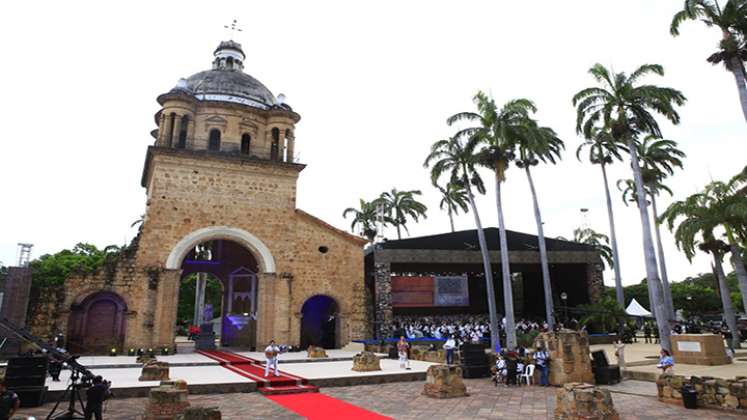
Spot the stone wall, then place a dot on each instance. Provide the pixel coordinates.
(569, 356)
(711, 392)
(45, 309)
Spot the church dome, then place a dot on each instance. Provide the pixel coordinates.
(227, 82)
(230, 86)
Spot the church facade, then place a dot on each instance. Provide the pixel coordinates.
(221, 176)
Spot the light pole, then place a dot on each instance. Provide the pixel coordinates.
(564, 298)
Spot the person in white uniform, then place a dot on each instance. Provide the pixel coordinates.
(271, 354)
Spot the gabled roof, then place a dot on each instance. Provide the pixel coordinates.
(466, 240)
(347, 236)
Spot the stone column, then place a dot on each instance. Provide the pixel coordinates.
(383, 299)
(177, 124)
(199, 316)
(282, 309)
(595, 281)
(265, 306)
(167, 295)
(291, 143)
(167, 131)
(161, 130)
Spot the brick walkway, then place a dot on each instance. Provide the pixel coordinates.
(403, 401)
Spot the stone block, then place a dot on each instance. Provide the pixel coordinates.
(314, 352)
(731, 401)
(366, 362)
(576, 401)
(155, 370)
(166, 402)
(699, 349)
(444, 381)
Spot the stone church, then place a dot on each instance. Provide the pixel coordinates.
(222, 172)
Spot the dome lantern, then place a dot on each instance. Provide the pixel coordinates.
(229, 56)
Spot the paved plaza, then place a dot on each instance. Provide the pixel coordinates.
(404, 401)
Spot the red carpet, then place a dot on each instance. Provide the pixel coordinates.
(253, 369)
(323, 407)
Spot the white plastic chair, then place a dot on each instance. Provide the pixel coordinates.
(528, 375)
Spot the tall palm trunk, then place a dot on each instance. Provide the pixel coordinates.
(488, 271)
(731, 320)
(543, 254)
(738, 72)
(399, 234)
(451, 218)
(508, 294)
(654, 286)
(738, 262)
(619, 293)
(662, 264)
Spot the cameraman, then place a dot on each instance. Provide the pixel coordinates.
(9, 402)
(96, 395)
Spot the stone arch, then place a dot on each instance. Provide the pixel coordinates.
(252, 243)
(97, 322)
(317, 326)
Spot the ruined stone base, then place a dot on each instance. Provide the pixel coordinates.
(711, 392)
(579, 401)
(167, 401)
(443, 381)
(154, 370)
(366, 362)
(569, 356)
(315, 352)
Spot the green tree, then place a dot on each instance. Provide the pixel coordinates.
(621, 102)
(453, 198)
(495, 136)
(187, 288)
(456, 159)
(539, 144)
(699, 215)
(603, 151)
(53, 269)
(401, 205)
(604, 316)
(731, 20)
(363, 217)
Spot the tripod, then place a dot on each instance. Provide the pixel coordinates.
(73, 396)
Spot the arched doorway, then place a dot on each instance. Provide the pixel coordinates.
(97, 323)
(234, 268)
(319, 319)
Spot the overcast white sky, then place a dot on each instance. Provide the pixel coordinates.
(373, 82)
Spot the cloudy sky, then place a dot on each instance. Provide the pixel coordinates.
(374, 83)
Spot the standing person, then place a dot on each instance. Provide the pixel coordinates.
(542, 360)
(666, 363)
(449, 346)
(403, 350)
(9, 402)
(271, 354)
(95, 397)
(647, 333)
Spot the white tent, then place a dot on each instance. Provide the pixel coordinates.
(635, 309)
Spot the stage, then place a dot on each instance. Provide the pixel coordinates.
(206, 375)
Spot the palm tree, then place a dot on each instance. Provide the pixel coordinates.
(603, 150)
(401, 205)
(732, 21)
(456, 159)
(599, 241)
(701, 214)
(626, 105)
(364, 217)
(496, 133)
(453, 198)
(659, 158)
(540, 144)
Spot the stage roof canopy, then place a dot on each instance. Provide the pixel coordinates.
(466, 240)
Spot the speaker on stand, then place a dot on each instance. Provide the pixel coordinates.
(27, 376)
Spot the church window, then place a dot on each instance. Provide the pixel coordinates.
(246, 141)
(275, 147)
(183, 133)
(214, 140)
